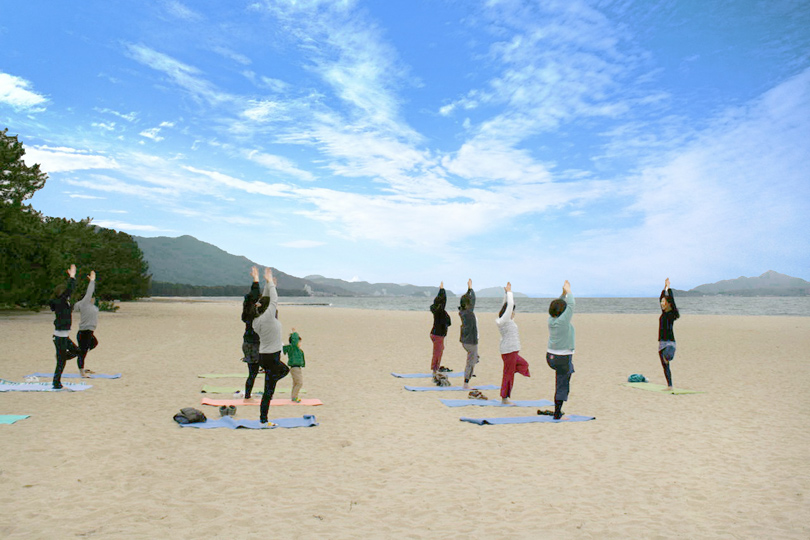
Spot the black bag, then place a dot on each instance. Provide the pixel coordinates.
(189, 415)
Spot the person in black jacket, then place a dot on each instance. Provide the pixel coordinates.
(250, 339)
(441, 320)
(60, 305)
(469, 332)
(666, 333)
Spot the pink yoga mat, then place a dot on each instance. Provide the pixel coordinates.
(218, 402)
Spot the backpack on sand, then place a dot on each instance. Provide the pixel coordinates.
(189, 415)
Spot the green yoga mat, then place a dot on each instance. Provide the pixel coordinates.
(208, 389)
(660, 388)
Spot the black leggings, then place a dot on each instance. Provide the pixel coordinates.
(274, 371)
(87, 342)
(65, 350)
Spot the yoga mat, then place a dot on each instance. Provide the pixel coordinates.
(496, 403)
(423, 375)
(526, 419)
(209, 389)
(11, 418)
(449, 388)
(660, 388)
(228, 422)
(219, 402)
(76, 375)
(11, 386)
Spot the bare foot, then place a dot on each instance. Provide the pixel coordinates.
(84, 374)
(465, 387)
(505, 401)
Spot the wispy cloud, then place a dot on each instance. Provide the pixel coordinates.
(61, 159)
(17, 93)
(181, 11)
(121, 225)
(187, 77)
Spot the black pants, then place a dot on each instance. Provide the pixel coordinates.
(251, 352)
(65, 350)
(87, 342)
(274, 371)
(563, 365)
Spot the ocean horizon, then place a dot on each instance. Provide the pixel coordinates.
(792, 306)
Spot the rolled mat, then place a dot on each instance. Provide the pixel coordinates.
(253, 401)
(76, 375)
(450, 388)
(496, 403)
(660, 388)
(11, 386)
(540, 418)
(228, 422)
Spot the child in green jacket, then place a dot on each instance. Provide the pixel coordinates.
(296, 361)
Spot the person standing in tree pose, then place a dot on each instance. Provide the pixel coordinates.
(510, 346)
(560, 352)
(89, 320)
(60, 305)
(666, 331)
(268, 327)
(250, 339)
(469, 332)
(296, 362)
(441, 320)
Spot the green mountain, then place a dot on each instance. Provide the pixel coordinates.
(768, 284)
(190, 261)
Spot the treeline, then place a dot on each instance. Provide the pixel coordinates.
(36, 250)
(161, 288)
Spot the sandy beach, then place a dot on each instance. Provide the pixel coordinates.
(730, 462)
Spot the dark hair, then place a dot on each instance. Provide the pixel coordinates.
(264, 303)
(556, 308)
(503, 309)
(59, 290)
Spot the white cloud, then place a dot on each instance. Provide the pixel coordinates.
(16, 92)
(120, 225)
(78, 196)
(261, 188)
(181, 11)
(183, 75)
(302, 244)
(60, 159)
(279, 164)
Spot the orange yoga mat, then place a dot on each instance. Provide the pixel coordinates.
(257, 401)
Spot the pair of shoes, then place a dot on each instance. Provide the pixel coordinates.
(445, 369)
(231, 410)
(223, 410)
(296, 400)
(549, 413)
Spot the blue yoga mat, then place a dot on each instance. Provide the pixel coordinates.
(496, 403)
(526, 419)
(228, 422)
(11, 386)
(450, 388)
(76, 375)
(11, 418)
(423, 375)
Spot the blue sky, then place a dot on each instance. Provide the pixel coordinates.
(611, 143)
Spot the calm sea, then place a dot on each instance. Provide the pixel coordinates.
(710, 305)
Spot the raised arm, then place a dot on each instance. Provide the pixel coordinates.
(509, 299)
(71, 285)
(254, 293)
(568, 296)
(270, 291)
(667, 293)
(471, 294)
(88, 296)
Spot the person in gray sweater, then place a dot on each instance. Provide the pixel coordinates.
(469, 332)
(89, 320)
(560, 352)
(268, 327)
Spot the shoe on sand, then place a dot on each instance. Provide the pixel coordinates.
(231, 410)
(223, 410)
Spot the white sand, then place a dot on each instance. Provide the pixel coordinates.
(109, 462)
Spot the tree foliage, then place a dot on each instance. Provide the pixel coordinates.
(35, 250)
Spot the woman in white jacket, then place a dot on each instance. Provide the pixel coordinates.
(510, 346)
(268, 327)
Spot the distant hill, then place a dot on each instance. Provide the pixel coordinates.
(496, 292)
(768, 284)
(186, 260)
(364, 288)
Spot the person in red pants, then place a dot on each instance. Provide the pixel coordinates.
(510, 346)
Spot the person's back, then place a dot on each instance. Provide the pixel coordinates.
(87, 309)
(561, 333)
(266, 325)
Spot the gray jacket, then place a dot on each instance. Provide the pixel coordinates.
(87, 309)
(266, 325)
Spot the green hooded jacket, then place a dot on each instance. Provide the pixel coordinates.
(295, 356)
